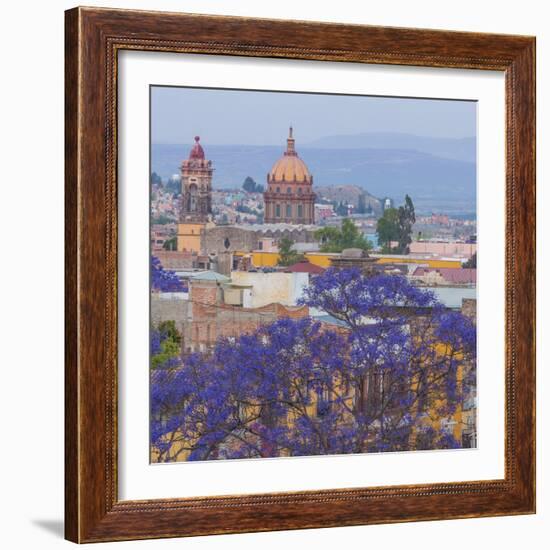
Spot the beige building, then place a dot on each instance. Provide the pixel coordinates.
(268, 288)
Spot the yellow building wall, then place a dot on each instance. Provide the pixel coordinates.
(270, 259)
(420, 261)
(189, 237)
(265, 259)
(320, 259)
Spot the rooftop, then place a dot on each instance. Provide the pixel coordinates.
(203, 276)
(305, 247)
(264, 227)
(417, 257)
(456, 276)
(305, 267)
(452, 297)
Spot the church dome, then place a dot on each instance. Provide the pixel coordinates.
(290, 167)
(197, 152)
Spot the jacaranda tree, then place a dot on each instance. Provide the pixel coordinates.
(393, 363)
(163, 280)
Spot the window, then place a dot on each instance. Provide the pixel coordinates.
(288, 190)
(278, 211)
(278, 190)
(300, 211)
(299, 190)
(288, 210)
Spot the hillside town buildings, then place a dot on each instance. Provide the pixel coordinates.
(227, 254)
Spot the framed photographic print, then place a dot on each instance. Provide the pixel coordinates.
(300, 275)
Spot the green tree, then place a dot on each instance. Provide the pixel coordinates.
(336, 239)
(173, 185)
(287, 256)
(406, 221)
(472, 262)
(362, 204)
(162, 219)
(170, 244)
(396, 225)
(387, 228)
(340, 208)
(169, 344)
(250, 186)
(155, 179)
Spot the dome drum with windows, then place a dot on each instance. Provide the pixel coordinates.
(289, 197)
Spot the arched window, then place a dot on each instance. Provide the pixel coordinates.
(288, 211)
(277, 210)
(300, 211)
(288, 190)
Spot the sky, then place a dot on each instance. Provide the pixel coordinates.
(229, 117)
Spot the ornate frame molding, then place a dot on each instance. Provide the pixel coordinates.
(93, 39)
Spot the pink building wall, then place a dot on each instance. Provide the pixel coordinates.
(443, 249)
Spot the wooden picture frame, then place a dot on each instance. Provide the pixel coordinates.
(93, 511)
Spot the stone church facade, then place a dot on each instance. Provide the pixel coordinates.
(289, 196)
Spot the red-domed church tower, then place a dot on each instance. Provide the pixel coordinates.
(196, 202)
(289, 196)
(196, 186)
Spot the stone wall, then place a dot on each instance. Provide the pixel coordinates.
(464, 250)
(469, 308)
(230, 238)
(166, 307)
(236, 238)
(173, 260)
(211, 319)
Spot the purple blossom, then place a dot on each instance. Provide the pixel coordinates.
(164, 281)
(299, 387)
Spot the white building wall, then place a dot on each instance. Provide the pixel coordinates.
(268, 288)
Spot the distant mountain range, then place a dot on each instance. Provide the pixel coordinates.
(439, 174)
(453, 148)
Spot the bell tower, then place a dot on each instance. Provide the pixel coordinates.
(196, 202)
(196, 186)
